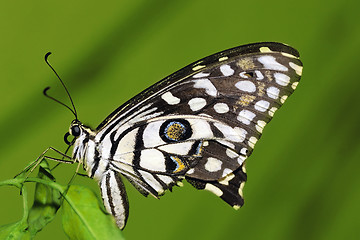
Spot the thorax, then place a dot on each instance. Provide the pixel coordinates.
(86, 152)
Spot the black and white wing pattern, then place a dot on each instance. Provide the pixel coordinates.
(200, 123)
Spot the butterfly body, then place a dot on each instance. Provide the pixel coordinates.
(198, 124)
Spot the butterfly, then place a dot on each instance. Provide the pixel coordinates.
(199, 124)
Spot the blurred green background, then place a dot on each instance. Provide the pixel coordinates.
(303, 177)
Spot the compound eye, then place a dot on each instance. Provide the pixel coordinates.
(75, 131)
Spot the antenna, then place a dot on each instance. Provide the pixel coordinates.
(46, 89)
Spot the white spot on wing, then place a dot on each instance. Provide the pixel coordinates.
(246, 86)
(198, 67)
(259, 75)
(252, 141)
(227, 143)
(298, 69)
(270, 63)
(225, 180)
(226, 172)
(207, 85)
(201, 75)
(260, 126)
(288, 55)
(244, 151)
(241, 159)
(221, 108)
(179, 184)
(241, 132)
(265, 49)
(294, 85)
(245, 116)
(233, 134)
(241, 189)
(213, 164)
(283, 99)
(170, 99)
(272, 111)
(226, 70)
(197, 104)
(262, 105)
(273, 92)
(282, 79)
(231, 154)
(215, 190)
(223, 59)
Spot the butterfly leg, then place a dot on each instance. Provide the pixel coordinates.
(30, 168)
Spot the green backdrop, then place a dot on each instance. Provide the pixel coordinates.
(303, 180)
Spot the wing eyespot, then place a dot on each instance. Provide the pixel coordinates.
(175, 164)
(174, 130)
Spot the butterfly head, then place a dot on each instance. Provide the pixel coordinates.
(81, 137)
(74, 130)
(77, 130)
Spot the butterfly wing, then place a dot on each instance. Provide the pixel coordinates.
(201, 122)
(114, 197)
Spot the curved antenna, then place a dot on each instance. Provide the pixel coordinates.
(46, 89)
(46, 95)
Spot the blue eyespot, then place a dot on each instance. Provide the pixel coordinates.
(174, 130)
(174, 164)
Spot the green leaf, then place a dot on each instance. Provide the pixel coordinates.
(84, 218)
(15, 231)
(46, 201)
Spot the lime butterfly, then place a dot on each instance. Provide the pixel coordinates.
(199, 124)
